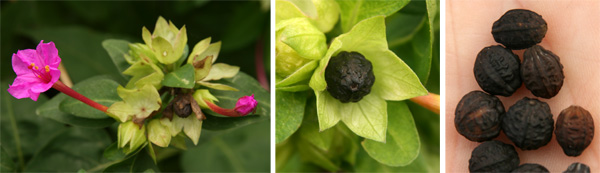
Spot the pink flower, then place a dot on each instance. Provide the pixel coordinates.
(245, 105)
(37, 70)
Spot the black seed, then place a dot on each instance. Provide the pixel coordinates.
(574, 130)
(529, 124)
(542, 72)
(519, 29)
(349, 76)
(497, 71)
(493, 156)
(578, 168)
(181, 106)
(531, 167)
(478, 116)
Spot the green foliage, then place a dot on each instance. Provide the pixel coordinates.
(180, 78)
(290, 111)
(240, 150)
(381, 132)
(49, 141)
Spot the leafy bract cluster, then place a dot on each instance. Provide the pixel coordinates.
(303, 52)
(160, 70)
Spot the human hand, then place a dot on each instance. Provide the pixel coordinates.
(573, 35)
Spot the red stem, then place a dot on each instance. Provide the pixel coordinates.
(258, 62)
(222, 111)
(68, 91)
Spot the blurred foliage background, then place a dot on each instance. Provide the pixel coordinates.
(31, 143)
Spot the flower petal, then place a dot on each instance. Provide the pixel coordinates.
(19, 66)
(48, 54)
(21, 87)
(28, 56)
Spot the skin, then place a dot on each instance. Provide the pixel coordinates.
(573, 35)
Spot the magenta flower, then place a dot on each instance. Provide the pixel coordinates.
(243, 107)
(37, 70)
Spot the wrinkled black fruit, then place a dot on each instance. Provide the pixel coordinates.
(519, 29)
(578, 168)
(349, 76)
(574, 130)
(182, 107)
(531, 167)
(493, 156)
(542, 72)
(497, 70)
(478, 116)
(528, 124)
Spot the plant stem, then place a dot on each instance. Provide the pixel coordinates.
(13, 123)
(68, 91)
(430, 101)
(258, 62)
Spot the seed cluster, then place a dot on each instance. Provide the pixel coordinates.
(528, 123)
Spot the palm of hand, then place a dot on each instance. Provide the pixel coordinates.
(572, 34)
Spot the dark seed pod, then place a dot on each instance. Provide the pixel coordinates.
(529, 124)
(349, 76)
(478, 116)
(182, 106)
(542, 72)
(574, 130)
(519, 29)
(497, 70)
(531, 167)
(578, 168)
(493, 156)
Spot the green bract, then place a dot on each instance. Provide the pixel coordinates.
(136, 104)
(395, 81)
(321, 13)
(167, 42)
(299, 45)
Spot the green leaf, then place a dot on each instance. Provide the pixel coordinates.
(113, 152)
(227, 99)
(300, 35)
(51, 110)
(353, 12)
(140, 162)
(221, 70)
(242, 150)
(309, 130)
(100, 90)
(81, 47)
(6, 162)
(22, 133)
(301, 74)
(290, 111)
(402, 144)
(117, 50)
(180, 78)
(312, 154)
(423, 163)
(76, 148)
